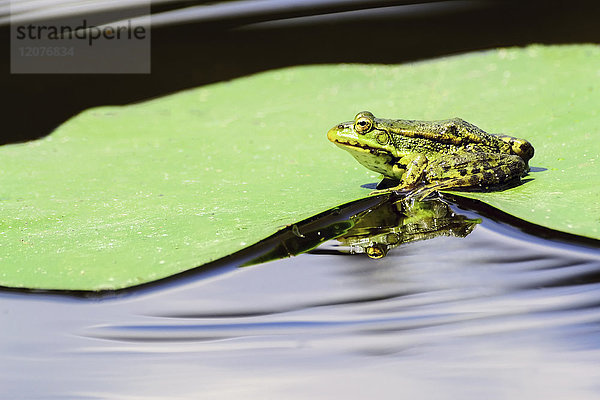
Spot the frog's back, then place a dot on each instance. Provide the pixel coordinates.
(479, 140)
(453, 135)
(443, 137)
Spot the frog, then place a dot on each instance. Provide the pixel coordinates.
(427, 156)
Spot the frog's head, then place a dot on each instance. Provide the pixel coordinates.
(372, 147)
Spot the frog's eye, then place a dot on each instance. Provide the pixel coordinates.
(382, 138)
(376, 251)
(363, 124)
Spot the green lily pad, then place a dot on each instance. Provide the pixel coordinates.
(120, 196)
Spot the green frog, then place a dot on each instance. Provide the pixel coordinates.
(424, 156)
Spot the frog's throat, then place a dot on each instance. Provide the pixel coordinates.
(377, 160)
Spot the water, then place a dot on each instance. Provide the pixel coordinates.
(497, 315)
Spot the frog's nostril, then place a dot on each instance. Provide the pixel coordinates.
(340, 126)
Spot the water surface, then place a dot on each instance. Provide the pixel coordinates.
(499, 314)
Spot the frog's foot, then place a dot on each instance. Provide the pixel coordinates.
(378, 192)
(422, 192)
(396, 189)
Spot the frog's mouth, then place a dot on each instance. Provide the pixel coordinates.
(379, 160)
(353, 145)
(356, 146)
(336, 135)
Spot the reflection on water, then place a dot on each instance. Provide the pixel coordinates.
(496, 315)
(394, 222)
(371, 226)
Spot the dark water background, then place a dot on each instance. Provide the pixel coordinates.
(223, 43)
(499, 315)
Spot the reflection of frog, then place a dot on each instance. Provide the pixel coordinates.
(431, 155)
(391, 224)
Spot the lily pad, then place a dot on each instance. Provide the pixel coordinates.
(120, 196)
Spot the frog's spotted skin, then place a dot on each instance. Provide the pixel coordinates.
(432, 155)
(520, 147)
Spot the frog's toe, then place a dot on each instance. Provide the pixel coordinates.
(396, 190)
(381, 191)
(422, 192)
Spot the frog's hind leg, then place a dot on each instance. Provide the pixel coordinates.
(520, 147)
(455, 183)
(471, 170)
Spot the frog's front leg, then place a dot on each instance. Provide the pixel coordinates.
(409, 170)
(413, 171)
